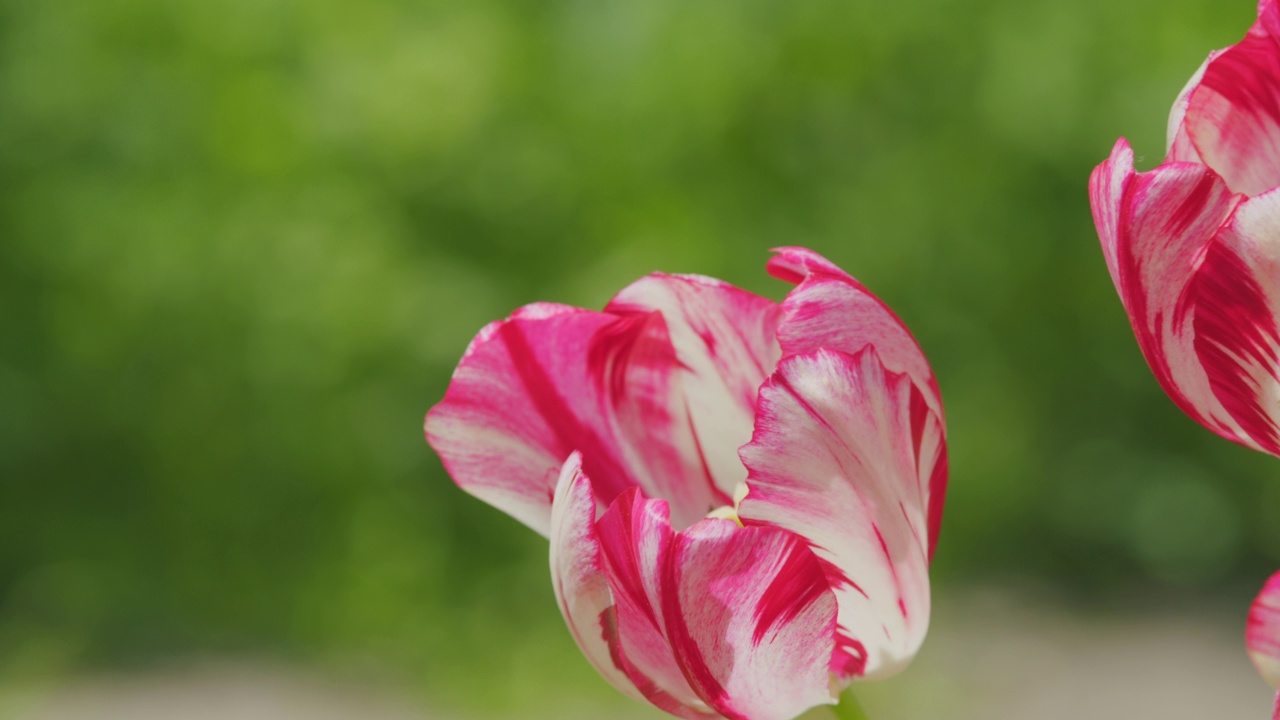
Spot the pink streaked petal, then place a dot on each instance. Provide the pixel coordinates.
(724, 338)
(635, 536)
(646, 393)
(1262, 633)
(1107, 198)
(848, 455)
(551, 380)
(751, 618)
(1269, 17)
(929, 440)
(578, 575)
(1236, 296)
(1180, 148)
(1233, 116)
(831, 309)
(1164, 221)
(508, 419)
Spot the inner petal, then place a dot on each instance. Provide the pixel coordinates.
(725, 343)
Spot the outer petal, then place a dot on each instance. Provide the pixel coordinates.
(578, 575)
(636, 537)
(1107, 198)
(1262, 634)
(847, 455)
(553, 379)
(1233, 116)
(1236, 297)
(717, 620)
(830, 309)
(724, 338)
(751, 618)
(1154, 229)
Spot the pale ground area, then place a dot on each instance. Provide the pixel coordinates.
(990, 658)
(987, 658)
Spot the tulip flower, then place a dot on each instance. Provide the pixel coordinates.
(741, 496)
(1262, 635)
(1193, 246)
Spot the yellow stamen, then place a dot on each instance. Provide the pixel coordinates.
(725, 512)
(730, 512)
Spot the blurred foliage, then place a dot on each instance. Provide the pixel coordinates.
(243, 243)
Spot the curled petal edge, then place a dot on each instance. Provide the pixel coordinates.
(830, 309)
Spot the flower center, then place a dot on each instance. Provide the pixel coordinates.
(730, 512)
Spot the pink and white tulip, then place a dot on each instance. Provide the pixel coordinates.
(742, 496)
(1193, 246)
(1262, 635)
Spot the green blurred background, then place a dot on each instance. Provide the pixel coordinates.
(244, 242)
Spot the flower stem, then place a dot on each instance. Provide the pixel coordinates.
(849, 707)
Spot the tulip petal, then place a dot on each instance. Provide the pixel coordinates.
(1262, 633)
(1106, 196)
(1233, 115)
(752, 619)
(1154, 228)
(553, 379)
(829, 308)
(717, 620)
(635, 535)
(1236, 298)
(578, 575)
(1180, 147)
(848, 455)
(1269, 16)
(724, 339)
